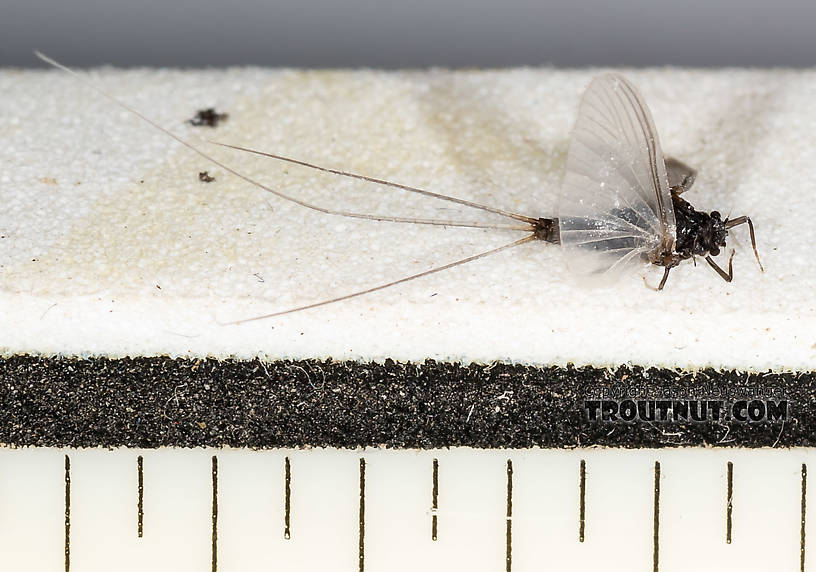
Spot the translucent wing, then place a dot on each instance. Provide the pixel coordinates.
(615, 206)
(680, 174)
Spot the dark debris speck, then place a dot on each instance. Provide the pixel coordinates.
(208, 118)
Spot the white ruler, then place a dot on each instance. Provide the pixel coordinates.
(378, 510)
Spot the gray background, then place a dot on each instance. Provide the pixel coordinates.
(326, 33)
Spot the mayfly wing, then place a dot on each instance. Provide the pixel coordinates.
(615, 207)
(680, 174)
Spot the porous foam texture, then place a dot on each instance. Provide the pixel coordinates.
(111, 245)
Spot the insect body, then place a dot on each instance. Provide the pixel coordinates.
(701, 234)
(698, 233)
(620, 200)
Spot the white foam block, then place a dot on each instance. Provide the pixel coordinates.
(110, 244)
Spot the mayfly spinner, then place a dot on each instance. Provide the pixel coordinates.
(620, 202)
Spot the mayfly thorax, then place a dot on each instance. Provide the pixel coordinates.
(621, 202)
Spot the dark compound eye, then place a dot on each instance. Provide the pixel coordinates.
(715, 214)
(715, 251)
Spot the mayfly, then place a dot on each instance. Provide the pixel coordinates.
(620, 202)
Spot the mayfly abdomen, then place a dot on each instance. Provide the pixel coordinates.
(630, 216)
(618, 229)
(597, 236)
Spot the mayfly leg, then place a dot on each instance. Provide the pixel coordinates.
(663, 280)
(731, 223)
(727, 276)
(529, 220)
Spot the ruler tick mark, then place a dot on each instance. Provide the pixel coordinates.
(656, 520)
(435, 499)
(287, 498)
(803, 519)
(729, 502)
(67, 513)
(214, 517)
(508, 555)
(361, 537)
(140, 496)
(581, 500)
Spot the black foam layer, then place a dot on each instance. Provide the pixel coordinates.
(159, 401)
